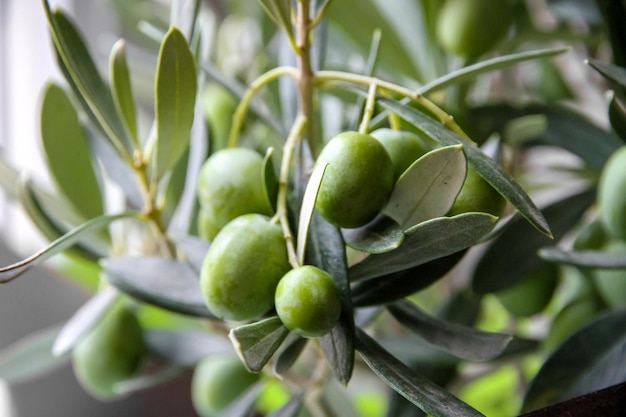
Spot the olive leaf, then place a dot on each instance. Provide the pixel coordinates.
(380, 235)
(11, 272)
(83, 320)
(485, 166)
(288, 354)
(307, 208)
(428, 188)
(30, 356)
(67, 153)
(583, 363)
(255, 343)
(147, 381)
(461, 341)
(617, 115)
(518, 244)
(194, 248)
(429, 397)
(326, 250)
(584, 258)
(122, 89)
(426, 241)
(269, 178)
(280, 12)
(166, 283)
(82, 74)
(613, 73)
(183, 347)
(291, 409)
(244, 403)
(176, 87)
(395, 286)
(472, 71)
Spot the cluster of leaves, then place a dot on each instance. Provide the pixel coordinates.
(381, 268)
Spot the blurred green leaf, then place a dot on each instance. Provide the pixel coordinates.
(29, 357)
(185, 348)
(183, 15)
(462, 341)
(617, 115)
(122, 89)
(291, 409)
(147, 381)
(485, 166)
(585, 258)
(473, 71)
(257, 342)
(68, 154)
(83, 320)
(82, 74)
(380, 235)
(11, 272)
(431, 398)
(244, 403)
(426, 241)
(428, 188)
(518, 244)
(176, 87)
(307, 208)
(270, 180)
(326, 250)
(586, 362)
(395, 286)
(166, 283)
(614, 74)
(280, 12)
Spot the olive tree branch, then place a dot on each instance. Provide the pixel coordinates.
(254, 87)
(444, 118)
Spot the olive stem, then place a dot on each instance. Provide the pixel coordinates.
(283, 184)
(320, 14)
(369, 109)
(444, 118)
(253, 89)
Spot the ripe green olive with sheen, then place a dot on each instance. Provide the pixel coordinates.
(240, 272)
(112, 352)
(307, 301)
(470, 28)
(612, 195)
(231, 184)
(477, 195)
(403, 148)
(217, 381)
(357, 182)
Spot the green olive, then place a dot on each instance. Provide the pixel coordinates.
(611, 195)
(357, 182)
(219, 107)
(217, 381)
(307, 301)
(611, 283)
(246, 260)
(231, 184)
(477, 195)
(533, 294)
(112, 352)
(403, 148)
(470, 28)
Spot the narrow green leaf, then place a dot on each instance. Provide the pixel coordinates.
(427, 189)
(122, 89)
(617, 115)
(67, 153)
(518, 244)
(29, 357)
(485, 166)
(291, 409)
(429, 397)
(270, 179)
(380, 235)
(307, 208)
(166, 283)
(398, 285)
(83, 320)
(473, 71)
(326, 250)
(280, 12)
(289, 353)
(462, 341)
(82, 74)
(426, 241)
(11, 272)
(613, 73)
(243, 405)
(257, 342)
(185, 348)
(585, 259)
(176, 87)
(588, 361)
